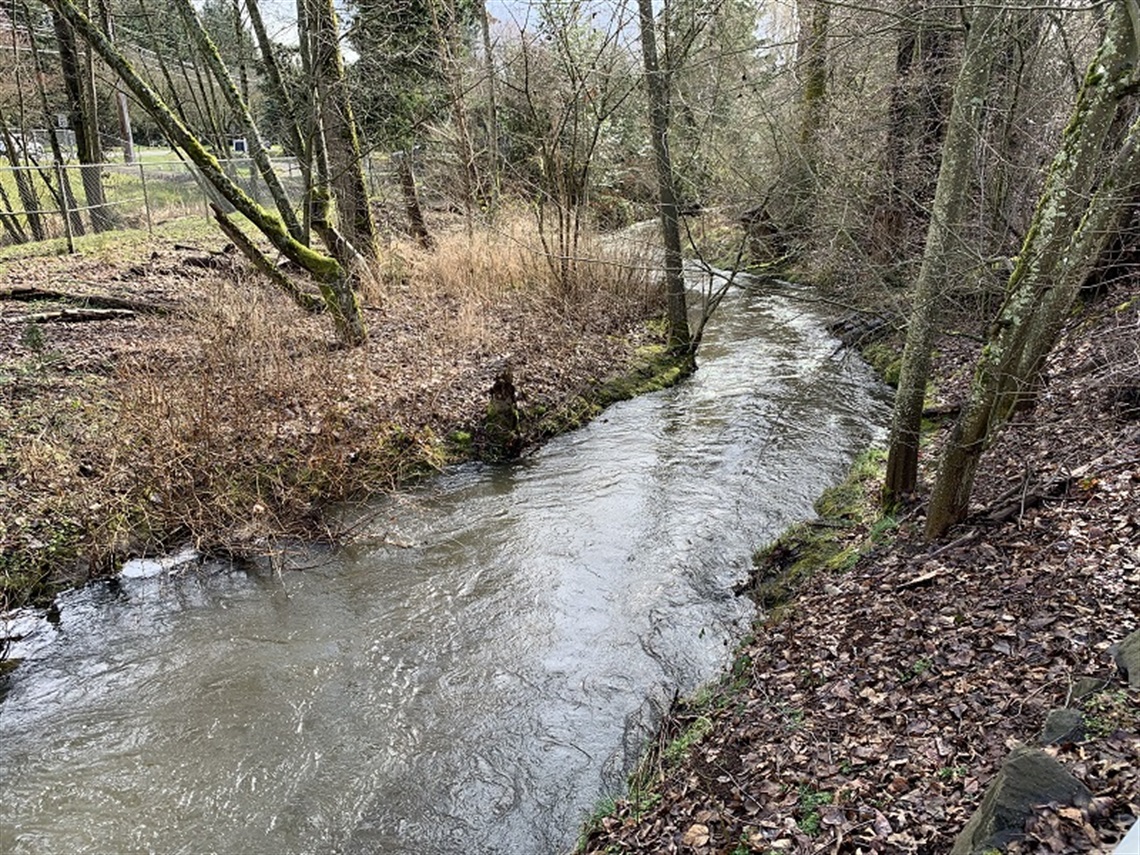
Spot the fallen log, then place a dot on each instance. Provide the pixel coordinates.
(72, 316)
(86, 301)
(212, 260)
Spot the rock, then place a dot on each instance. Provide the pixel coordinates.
(1087, 686)
(1028, 778)
(1062, 725)
(1126, 655)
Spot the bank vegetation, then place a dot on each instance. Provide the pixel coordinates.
(217, 415)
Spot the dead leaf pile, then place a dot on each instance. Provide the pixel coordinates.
(871, 713)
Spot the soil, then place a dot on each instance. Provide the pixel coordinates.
(869, 712)
(220, 414)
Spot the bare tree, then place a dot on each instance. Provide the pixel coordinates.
(566, 85)
(1084, 192)
(657, 91)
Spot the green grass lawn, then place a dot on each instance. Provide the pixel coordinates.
(171, 194)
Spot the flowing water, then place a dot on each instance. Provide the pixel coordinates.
(476, 673)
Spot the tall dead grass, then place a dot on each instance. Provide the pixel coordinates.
(242, 439)
(247, 432)
(507, 262)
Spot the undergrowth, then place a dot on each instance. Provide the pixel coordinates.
(243, 421)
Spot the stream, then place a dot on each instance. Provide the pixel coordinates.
(475, 673)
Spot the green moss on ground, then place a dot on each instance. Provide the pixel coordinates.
(653, 369)
(886, 360)
(850, 524)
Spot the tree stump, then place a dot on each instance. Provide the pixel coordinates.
(501, 427)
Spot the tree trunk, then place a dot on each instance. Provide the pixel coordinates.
(443, 13)
(1011, 158)
(80, 125)
(331, 277)
(942, 240)
(890, 215)
(339, 124)
(916, 117)
(29, 199)
(64, 196)
(493, 177)
(657, 91)
(1066, 237)
(121, 106)
(25, 178)
(293, 142)
(815, 21)
(102, 217)
(412, 199)
(257, 147)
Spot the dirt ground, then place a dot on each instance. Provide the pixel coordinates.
(173, 396)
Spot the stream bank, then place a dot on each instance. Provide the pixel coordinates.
(475, 668)
(219, 415)
(872, 706)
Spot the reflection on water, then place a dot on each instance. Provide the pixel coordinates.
(476, 673)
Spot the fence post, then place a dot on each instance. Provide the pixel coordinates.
(146, 199)
(63, 207)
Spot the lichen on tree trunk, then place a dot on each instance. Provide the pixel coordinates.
(1064, 240)
(942, 239)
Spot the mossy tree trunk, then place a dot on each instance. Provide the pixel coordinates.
(294, 143)
(657, 92)
(338, 123)
(237, 103)
(942, 243)
(332, 278)
(1072, 222)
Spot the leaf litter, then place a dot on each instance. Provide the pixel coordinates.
(870, 712)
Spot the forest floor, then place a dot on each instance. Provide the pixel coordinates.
(203, 407)
(870, 710)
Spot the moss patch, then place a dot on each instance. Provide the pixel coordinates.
(849, 525)
(653, 369)
(886, 360)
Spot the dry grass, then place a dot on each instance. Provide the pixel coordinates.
(507, 261)
(235, 421)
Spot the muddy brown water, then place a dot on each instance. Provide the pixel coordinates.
(476, 674)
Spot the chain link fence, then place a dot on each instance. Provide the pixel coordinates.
(44, 201)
